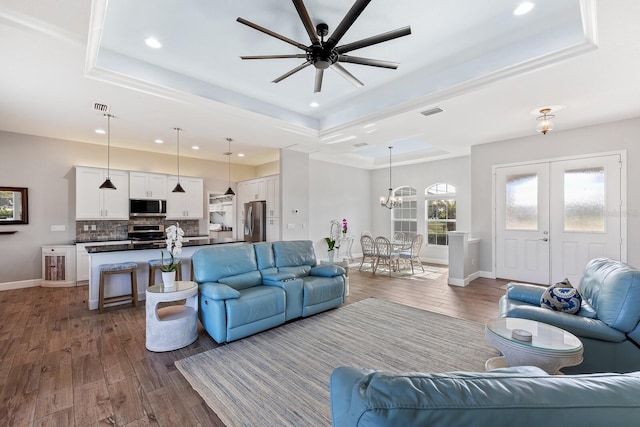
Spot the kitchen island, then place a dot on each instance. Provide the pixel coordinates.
(140, 253)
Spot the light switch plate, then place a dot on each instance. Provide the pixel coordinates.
(58, 228)
(291, 226)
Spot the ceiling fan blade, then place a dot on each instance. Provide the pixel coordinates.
(347, 75)
(272, 34)
(318, 86)
(296, 56)
(306, 21)
(346, 23)
(368, 61)
(295, 70)
(400, 32)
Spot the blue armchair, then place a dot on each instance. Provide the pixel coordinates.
(608, 323)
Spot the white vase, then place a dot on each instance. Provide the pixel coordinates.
(169, 279)
(330, 253)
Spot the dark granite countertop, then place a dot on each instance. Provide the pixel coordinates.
(157, 245)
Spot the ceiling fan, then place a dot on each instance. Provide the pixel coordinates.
(327, 54)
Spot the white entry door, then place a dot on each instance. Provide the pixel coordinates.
(522, 223)
(553, 217)
(585, 214)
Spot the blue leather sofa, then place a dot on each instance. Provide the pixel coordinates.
(608, 323)
(519, 396)
(249, 288)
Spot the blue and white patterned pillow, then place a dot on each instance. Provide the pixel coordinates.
(562, 297)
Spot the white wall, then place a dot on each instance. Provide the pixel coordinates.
(294, 195)
(45, 167)
(421, 176)
(621, 135)
(337, 192)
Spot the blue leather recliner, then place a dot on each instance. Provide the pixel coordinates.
(249, 288)
(608, 323)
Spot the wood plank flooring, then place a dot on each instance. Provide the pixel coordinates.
(64, 365)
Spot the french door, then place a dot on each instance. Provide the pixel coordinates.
(553, 217)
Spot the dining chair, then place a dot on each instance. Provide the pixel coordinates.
(399, 241)
(385, 254)
(412, 255)
(368, 251)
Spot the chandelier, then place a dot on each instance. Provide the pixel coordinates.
(390, 201)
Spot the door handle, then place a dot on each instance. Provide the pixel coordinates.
(544, 240)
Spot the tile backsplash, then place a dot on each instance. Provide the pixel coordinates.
(117, 230)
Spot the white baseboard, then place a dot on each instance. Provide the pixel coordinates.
(32, 283)
(435, 261)
(463, 282)
(487, 274)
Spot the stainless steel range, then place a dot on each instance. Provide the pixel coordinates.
(146, 233)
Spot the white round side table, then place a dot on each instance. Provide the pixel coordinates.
(549, 348)
(176, 326)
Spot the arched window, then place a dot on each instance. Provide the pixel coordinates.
(405, 217)
(440, 212)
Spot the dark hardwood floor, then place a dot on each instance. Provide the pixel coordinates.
(64, 365)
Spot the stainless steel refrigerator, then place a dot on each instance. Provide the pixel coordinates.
(255, 222)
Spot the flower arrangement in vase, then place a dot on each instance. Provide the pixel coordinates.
(174, 247)
(344, 226)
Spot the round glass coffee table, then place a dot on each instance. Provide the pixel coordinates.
(549, 348)
(174, 326)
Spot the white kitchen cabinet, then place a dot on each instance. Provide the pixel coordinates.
(257, 189)
(58, 266)
(273, 229)
(187, 205)
(94, 203)
(82, 257)
(143, 185)
(273, 196)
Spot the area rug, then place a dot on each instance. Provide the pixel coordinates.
(280, 377)
(431, 272)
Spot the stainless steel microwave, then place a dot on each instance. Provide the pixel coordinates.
(141, 207)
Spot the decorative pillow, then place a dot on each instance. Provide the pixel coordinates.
(561, 297)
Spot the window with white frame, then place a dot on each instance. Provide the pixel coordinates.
(405, 217)
(440, 212)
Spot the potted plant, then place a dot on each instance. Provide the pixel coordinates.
(174, 247)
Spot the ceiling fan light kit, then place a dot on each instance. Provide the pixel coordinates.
(327, 54)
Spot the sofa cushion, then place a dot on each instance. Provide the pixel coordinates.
(242, 281)
(322, 289)
(294, 253)
(264, 255)
(298, 271)
(561, 297)
(213, 262)
(257, 303)
(327, 270)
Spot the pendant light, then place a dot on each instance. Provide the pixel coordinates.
(178, 188)
(229, 191)
(390, 201)
(545, 124)
(107, 184)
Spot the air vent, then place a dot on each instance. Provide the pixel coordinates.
(360, 144)
(432, 111)
(103, 108)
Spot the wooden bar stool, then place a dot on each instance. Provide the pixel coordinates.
(156, 264)
(120, 268)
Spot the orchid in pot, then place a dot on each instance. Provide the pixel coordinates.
(174, 247)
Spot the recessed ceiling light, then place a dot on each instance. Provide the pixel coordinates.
(158, 141)
(195, 147)
(153, 42)
(101, 131)
(240, 154)
(314, 104)
(523, 8)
